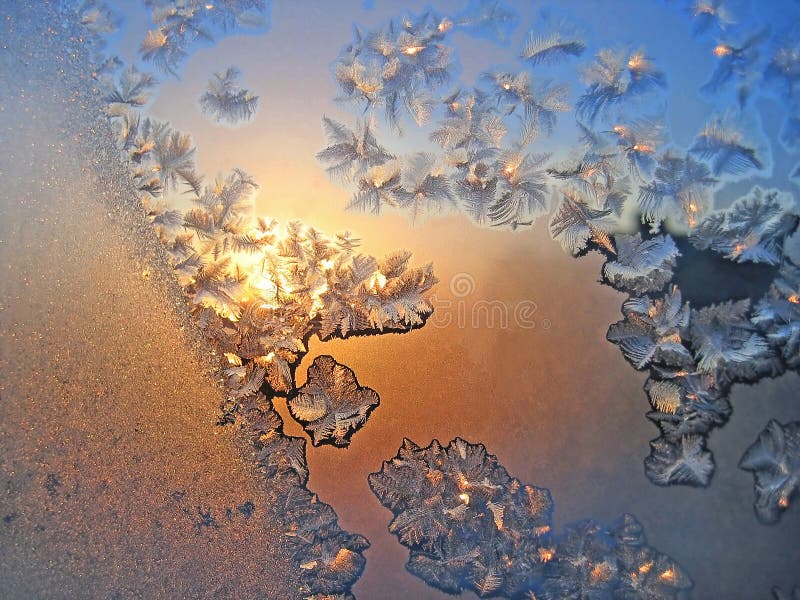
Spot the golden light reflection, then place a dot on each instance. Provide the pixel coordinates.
(413, 50)
(668, 575)
(377, 281)
(721, 50)
(464, 498)
(637, 61)
(263, 283)
(435, 477)
(233, 359)
(155, 38)
(600, 572)
(739, 248)
(541, 530)
(264, 361)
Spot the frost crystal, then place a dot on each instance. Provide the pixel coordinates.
(735, 62)
(753, 229)
(678, 192)
(132, 90)
(226, 101)
(683, 462)
(710, 15)
(651, 333)
(331, 405)
(774, 460)
(465, 520)
(552, 45)
(351, 153)
(575, 224)
(638, 140)
(539, 104)
(777, 315)
(468, 524)
(615, 78)
(727, 345)
(95, 16)
(722, 145)
(593, 174)
(641, 266)
(686, 404)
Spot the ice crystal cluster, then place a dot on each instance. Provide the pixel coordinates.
(695, 355)
(469, 525)
(181, 24)
(404, 71)
(624, 190)
(483, 159)
(774, 460)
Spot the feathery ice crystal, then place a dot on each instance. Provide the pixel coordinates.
(774, 460)
(651, 333)
(641, 266)
(614, 80)
(331, 405)
(469, 525)
(722, 144)
(753, 229)
(226, 101)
